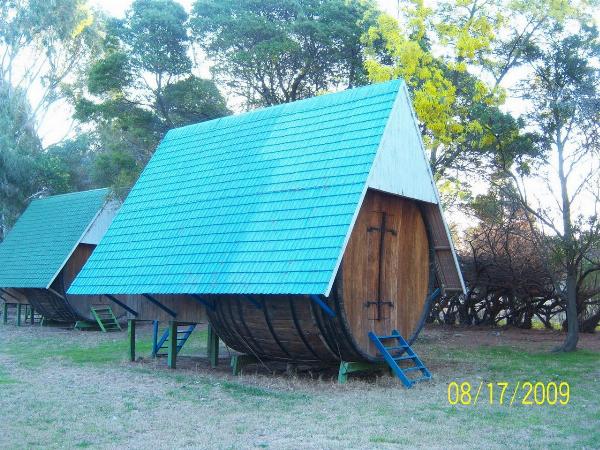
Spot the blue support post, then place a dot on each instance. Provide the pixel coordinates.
(207, 303)
(330, 312)
(154, 337)
(254, 301)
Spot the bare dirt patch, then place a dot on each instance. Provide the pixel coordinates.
(528, 340)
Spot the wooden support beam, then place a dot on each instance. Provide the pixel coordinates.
(131, 336)
(238, 362)
(348, 367)
(19, 308)
(212, 347)
(5, 313)
(121, 304)
(169, 311)
(154, 338)
(32, 311)
(172, 354)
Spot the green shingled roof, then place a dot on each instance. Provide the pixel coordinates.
(45, 236)
(260, 202)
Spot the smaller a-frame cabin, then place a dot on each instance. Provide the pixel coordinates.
(47, 248)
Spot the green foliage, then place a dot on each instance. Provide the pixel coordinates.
(111, 74)
(193, 100)
(20, 150)
(564, 89)
(156, 33)
(115, 168)
(141, 86)
(275, 51)
(43, 43)
(74, 158)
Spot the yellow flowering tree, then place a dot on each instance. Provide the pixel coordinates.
(458, 111)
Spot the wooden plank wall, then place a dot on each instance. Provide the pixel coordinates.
(186, 308)
(405, 269)
(83, 303)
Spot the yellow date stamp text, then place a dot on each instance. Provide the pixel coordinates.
(527, 393)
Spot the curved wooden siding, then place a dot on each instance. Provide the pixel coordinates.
(294, 328)
(289, 328)
(52, 305)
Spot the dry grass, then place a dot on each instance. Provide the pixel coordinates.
(68, 389)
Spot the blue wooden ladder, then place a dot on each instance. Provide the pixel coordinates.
(183, 333)
(395, 353)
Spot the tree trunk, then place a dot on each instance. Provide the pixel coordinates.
(572, 338)
(570, 343)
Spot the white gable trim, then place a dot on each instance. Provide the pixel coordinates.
(113, 206)
(400, 166)
(437, 194)
(397, 153)
(100, 224)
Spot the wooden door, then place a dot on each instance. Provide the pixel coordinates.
(385, 269)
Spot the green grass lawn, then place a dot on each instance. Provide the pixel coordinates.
(76, 389)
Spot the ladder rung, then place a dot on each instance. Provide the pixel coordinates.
(397, 347)
(409, 369)
(403, 358)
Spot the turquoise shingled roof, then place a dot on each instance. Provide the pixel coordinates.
(255, 203)
(45, 236)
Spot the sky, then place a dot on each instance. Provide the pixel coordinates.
(118, 7)
(57, 124)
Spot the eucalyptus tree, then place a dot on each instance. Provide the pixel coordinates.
(142, 85)
(277, 51)
(41, 45)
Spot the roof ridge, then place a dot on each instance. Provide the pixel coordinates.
(71, 193)
(295, 103)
